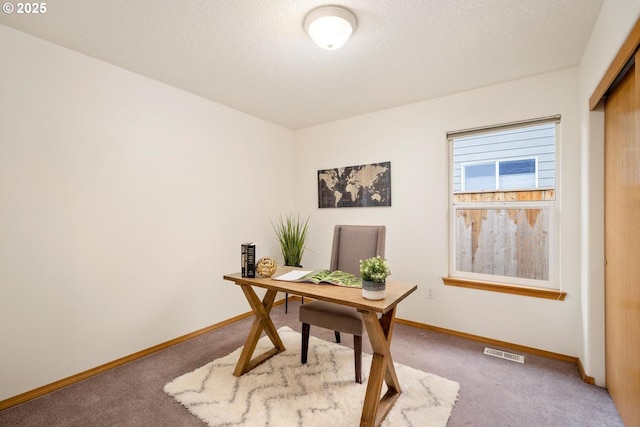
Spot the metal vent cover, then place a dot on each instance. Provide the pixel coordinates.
(504, 355)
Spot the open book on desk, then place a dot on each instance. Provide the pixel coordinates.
(336, 277)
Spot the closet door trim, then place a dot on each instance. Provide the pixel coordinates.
(623, 59)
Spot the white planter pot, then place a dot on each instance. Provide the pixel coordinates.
(373, 290)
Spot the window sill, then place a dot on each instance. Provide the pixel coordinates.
(507, 289)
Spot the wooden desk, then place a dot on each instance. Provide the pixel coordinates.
(380, 330)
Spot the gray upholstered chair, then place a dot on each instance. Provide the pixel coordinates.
(351, 243)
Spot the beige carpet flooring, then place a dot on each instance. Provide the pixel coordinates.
(493, 392)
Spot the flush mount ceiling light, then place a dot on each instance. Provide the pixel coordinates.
(330, 26)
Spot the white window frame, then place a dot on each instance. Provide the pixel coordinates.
(552, 206)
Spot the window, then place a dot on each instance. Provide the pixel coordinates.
(500, 175)
(503, 204)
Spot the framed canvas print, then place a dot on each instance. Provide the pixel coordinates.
(355, 186)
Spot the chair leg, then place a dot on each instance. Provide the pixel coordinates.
(337, 336)
(357, 350)
(286, 303)
(305, 342)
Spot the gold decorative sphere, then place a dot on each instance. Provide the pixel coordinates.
(266, 267)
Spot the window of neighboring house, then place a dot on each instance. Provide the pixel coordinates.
(500, 175)
(503, 204)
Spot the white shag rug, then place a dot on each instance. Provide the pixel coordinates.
(282, 392)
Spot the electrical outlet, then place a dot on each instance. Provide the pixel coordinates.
(430, 293)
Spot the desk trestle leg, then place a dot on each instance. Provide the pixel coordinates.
(380, 331)
(261, 322)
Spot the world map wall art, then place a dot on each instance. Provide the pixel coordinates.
(355, 186)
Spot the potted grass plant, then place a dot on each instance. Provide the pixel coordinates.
(374, 272)
(291, 231)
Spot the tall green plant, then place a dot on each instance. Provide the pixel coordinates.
(292, 234)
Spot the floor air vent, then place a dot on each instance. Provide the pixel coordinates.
(504, 355)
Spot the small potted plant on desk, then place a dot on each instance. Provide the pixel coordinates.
(292, 235)
(374, 272)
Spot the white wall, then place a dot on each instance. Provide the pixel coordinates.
(122, 203)
(614, 24)
(413, 138)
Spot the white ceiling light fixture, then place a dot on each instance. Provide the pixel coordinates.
(330, 26)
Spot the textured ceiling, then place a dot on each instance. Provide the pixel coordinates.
(254, 56)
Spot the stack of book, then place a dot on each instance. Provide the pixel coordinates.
(248, 259)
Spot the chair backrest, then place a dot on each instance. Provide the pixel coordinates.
(351, 243)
